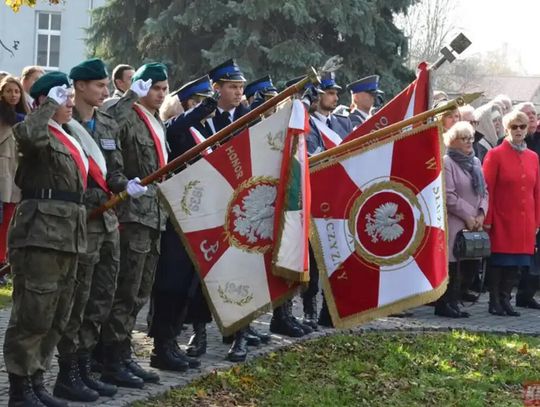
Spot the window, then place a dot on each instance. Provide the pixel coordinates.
(48, 40)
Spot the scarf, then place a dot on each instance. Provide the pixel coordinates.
(521, 147)
(468, 163)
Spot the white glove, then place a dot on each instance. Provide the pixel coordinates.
(59, 94)
(141, 87)
(135, 189)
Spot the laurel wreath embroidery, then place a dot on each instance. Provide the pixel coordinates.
(183, 204)
(228, 300)
(276, 141)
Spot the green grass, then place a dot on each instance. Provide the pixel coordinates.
(375, 369)
(5, 295)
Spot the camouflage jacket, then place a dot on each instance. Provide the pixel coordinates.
(105, 134)
(140, 159)
(45, 163)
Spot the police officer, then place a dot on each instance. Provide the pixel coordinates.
(259, 91)
(47, 234)
(98, 268)
(144, 150)
(176, 278)
(364, 94)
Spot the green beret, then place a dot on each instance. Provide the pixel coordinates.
(48, 81)
(91, 69)
(154, 70)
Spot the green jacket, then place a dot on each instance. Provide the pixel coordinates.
(45, 163)
(140, 159)
(106, 137)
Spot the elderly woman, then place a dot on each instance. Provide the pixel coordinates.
(513, 218)
(488, 127)
(466, 202)
(450, 117)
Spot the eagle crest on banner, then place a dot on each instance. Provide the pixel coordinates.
(255, 219)
(385, 224)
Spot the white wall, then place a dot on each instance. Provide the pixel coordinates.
(22, 26)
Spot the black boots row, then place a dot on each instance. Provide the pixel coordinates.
(167, 355)
(501, 282)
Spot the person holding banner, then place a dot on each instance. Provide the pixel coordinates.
(144, 150)
(47, 235)
(176, 279)
(97, 269)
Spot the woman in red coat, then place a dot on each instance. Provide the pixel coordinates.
(513, 218)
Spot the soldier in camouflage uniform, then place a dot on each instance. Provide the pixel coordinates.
(142, 136)
(98, 267)
(47, 234)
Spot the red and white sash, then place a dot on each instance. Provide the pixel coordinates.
(96, 160)
(156, 130)
(330, 137)
(74, 148)
(199, 138)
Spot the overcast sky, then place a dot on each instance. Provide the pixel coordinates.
(489, 24)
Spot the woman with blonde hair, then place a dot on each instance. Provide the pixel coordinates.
(513, 218)
(466, 203)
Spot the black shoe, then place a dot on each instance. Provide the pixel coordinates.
(251, 340)
(495, 308)
(284, 326)
(118, 374)
(197, 343)
(310, 312)
(95, 366)
(193, 363)
(43, 395)
(21, 392)
(238, 350)
(104, 389)
(507, 307)
(444, 309)
(69, 384)
(148, 376)
(462, 314)
(531, 303)
(469, 297)
(324, 317)
(263, 338)
(163, 357)
(304, 327)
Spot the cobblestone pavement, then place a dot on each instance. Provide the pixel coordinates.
(422, 320)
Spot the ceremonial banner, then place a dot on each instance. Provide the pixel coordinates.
(413, 100)
(223, 206)
(378, 226)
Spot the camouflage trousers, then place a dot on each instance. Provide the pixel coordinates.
(139, 253)
(43, 285)
(97, 272)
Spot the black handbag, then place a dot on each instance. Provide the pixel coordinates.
(472, 245)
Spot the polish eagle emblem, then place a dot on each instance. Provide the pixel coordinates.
(255, 218)
(384, 223)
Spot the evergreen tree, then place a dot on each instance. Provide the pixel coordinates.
(279, 37)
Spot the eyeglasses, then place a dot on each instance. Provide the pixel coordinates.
(466, 138)
(474, 122)
(518, 126)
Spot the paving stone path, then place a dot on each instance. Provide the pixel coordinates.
(422, 320)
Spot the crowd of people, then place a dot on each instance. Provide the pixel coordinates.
(81, 276)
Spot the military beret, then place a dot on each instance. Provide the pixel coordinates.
(48, 81)
(154, 70)
(227, 71)
(201, 86)
(263, 85)
(91, 69)
(368, 84)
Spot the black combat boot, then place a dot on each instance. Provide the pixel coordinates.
(193, 363)
(494, 280)
(282, 325)
(508, 281)
(21, 392)
(310, 312)
(115, 371)
(104, 389)
(288, 305)
(238, 350)
(263, 338)
(43, 395)
(197, 342)
(164, 357)
(324, 316)
(251, 340)
(69, 384)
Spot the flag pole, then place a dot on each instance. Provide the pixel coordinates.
(243, 121)
(382, 133)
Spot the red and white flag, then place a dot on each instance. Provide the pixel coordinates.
(378, 226)
(413, 100)
(224, 206)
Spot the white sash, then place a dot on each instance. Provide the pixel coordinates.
(89, 145)
(158, 128)
(330, 137)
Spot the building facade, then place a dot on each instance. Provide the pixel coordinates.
(47, 35)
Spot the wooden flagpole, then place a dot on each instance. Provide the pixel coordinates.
(243, 121)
